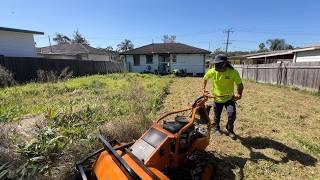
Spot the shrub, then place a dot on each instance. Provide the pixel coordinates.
(6, 77)
(54, 76)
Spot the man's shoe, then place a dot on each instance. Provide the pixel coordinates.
(217, 132)
(232, 135)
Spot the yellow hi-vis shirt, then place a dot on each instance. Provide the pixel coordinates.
(223, 83)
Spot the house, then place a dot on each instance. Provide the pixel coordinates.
(163, 58)
(307, 54)
(302, 54)
(269, 57)
(76, 51)
(17, 42)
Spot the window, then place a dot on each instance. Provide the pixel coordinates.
(149, 59)
(174, 58)
(136, 60)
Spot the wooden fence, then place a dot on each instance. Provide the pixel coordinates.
(304, 75)
(25, 69)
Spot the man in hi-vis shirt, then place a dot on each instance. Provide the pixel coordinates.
(223, 77)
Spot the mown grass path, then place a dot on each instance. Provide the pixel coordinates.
(278, 130)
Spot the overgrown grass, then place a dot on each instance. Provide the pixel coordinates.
(77, 93)
(76, 110)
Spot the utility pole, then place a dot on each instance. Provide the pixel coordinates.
(228, 31)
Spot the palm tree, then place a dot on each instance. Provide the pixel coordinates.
(278, 44)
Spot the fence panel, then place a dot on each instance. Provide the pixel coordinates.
(25, 68)
(305, 75)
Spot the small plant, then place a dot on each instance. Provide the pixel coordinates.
(39, 152)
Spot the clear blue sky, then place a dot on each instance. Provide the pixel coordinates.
(197, 23)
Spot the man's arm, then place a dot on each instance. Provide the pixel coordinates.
(204, 86)
(239, 91)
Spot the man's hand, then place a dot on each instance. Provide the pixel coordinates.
(237, 97)
(204, 91)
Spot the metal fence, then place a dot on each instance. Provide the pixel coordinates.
(25, 68)
(304, 75)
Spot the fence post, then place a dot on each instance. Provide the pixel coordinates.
(257, 73)
(242, 69)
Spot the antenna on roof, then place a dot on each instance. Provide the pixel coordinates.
(152, 46)
(50, 43)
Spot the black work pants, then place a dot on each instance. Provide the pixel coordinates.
(231, 110)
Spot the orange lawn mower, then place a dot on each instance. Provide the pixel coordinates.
(172, 148)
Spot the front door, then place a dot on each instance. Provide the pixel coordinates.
(164, 64)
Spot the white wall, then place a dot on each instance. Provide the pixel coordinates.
(17, 44)
(193, 63)
(99, 57)
(308, 56)
(143, 63)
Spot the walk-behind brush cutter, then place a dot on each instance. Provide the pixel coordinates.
(174, 144)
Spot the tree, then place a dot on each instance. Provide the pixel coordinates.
(125, 45)
(169, 38)
(61, 39)
(78, 38)
(262, 48)
(218, 51)
(109, 48)
(278, 44)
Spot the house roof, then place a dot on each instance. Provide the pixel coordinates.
(166, 48)
(281, 52)
(20, 30)
(72, 49)
(267, 54)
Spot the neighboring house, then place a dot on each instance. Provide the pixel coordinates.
(17, 42)
(76, 51)
(303, 54)
(163, 58)
(307, 54)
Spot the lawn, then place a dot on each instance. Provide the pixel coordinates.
(48, 126)
(278, 131)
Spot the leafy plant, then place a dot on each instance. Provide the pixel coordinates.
(39, 152)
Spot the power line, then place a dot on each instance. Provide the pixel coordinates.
(304, 33)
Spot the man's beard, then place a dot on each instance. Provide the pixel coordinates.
(220, 69)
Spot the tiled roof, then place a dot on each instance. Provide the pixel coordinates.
(166, 48)
(72, 49)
